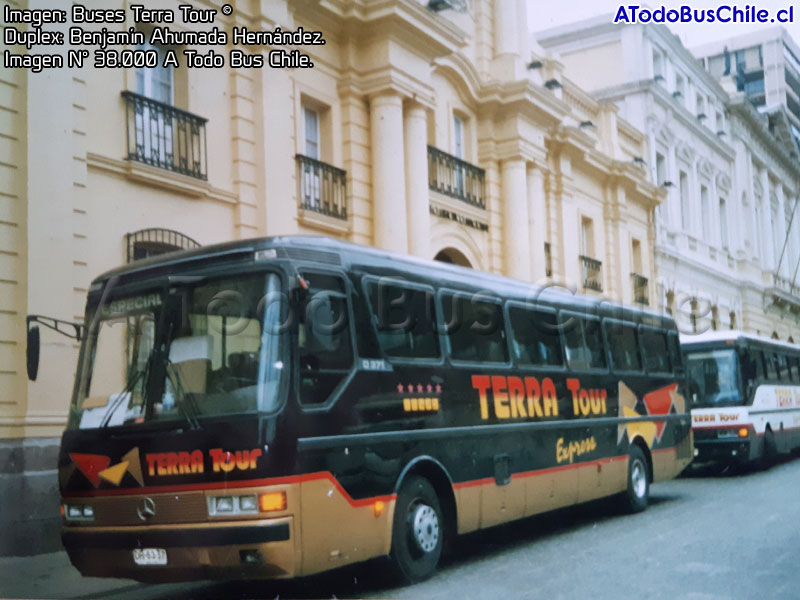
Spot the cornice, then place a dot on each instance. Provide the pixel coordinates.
(525, 97)
(388, 79)
(672, 107)
(461, 72)
(751, 118)
(427, 32)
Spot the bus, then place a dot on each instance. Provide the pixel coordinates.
(744, 393)
(279, 407)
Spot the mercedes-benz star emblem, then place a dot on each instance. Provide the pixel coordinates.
(146, 509)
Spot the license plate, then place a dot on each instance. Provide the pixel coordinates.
(150, 556)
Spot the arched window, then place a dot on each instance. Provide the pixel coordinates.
(154, 241)
(453, 257)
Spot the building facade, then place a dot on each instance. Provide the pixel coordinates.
(765, 66)
(420, 129)
(725, 241)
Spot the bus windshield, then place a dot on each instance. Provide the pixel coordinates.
(209, 348)
(713, 378)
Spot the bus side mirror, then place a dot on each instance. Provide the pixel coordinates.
(32, 353)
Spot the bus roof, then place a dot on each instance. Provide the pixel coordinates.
(732, 336)
(331, 251)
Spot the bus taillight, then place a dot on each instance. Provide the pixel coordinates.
(743, 432)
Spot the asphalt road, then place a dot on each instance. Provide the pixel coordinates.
(704, 536)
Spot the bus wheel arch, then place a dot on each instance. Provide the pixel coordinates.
(418, 530)
(769, 450)
(432, 470)
(642, 445)
(638, 477)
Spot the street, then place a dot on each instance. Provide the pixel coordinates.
(705, 535)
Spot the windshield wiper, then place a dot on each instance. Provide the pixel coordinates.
(183, 400)
(131, 383)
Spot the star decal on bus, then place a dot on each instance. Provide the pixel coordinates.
(95, 467)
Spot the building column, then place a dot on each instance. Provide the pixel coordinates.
(537, 223)
(783, 251)
(794, 239)
(674, 192)
(516, 237)
(767, 242)
(715, 227)
(390, 225)
(507, 63)
(417, 195)
(695, 204)
(279, 181)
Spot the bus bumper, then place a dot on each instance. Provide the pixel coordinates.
(731, 451)
(232, 550)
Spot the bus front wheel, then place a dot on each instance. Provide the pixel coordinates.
(638, 491)
(417, 531)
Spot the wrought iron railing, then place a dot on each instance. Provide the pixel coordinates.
(456, 178)
(591, 271)
(548, 260)
(164, 136)
(640, 290)
(321, 187)
(150, 242)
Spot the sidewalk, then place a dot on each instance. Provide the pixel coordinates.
(53, 576)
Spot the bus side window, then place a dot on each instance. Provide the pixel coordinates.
(534, 337)
(624, 346)
(474, 328)
(783, 367)
(654, 348)
(772, 364)
(793, 367)
(583, 342)
(323, 338)
(405, 320)
(758, 361)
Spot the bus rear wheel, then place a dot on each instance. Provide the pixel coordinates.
(417, 531)
(635, 497)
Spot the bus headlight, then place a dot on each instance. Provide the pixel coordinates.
(248, 503)
(743, 432)
(78, 512)
(223, 506)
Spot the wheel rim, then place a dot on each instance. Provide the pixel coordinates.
(424, 527)
(638, 479)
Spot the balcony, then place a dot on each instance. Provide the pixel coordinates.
(783, 294)
(166, 137)
(640, 289)
(591, 271)
(456, 178)
(321, 187)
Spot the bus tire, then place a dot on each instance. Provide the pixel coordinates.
(417, 531)
(769, 451)
(635, 497)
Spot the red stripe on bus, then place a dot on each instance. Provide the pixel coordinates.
(534, 473)
(225, 485)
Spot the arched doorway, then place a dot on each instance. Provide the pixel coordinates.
(453, 257)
